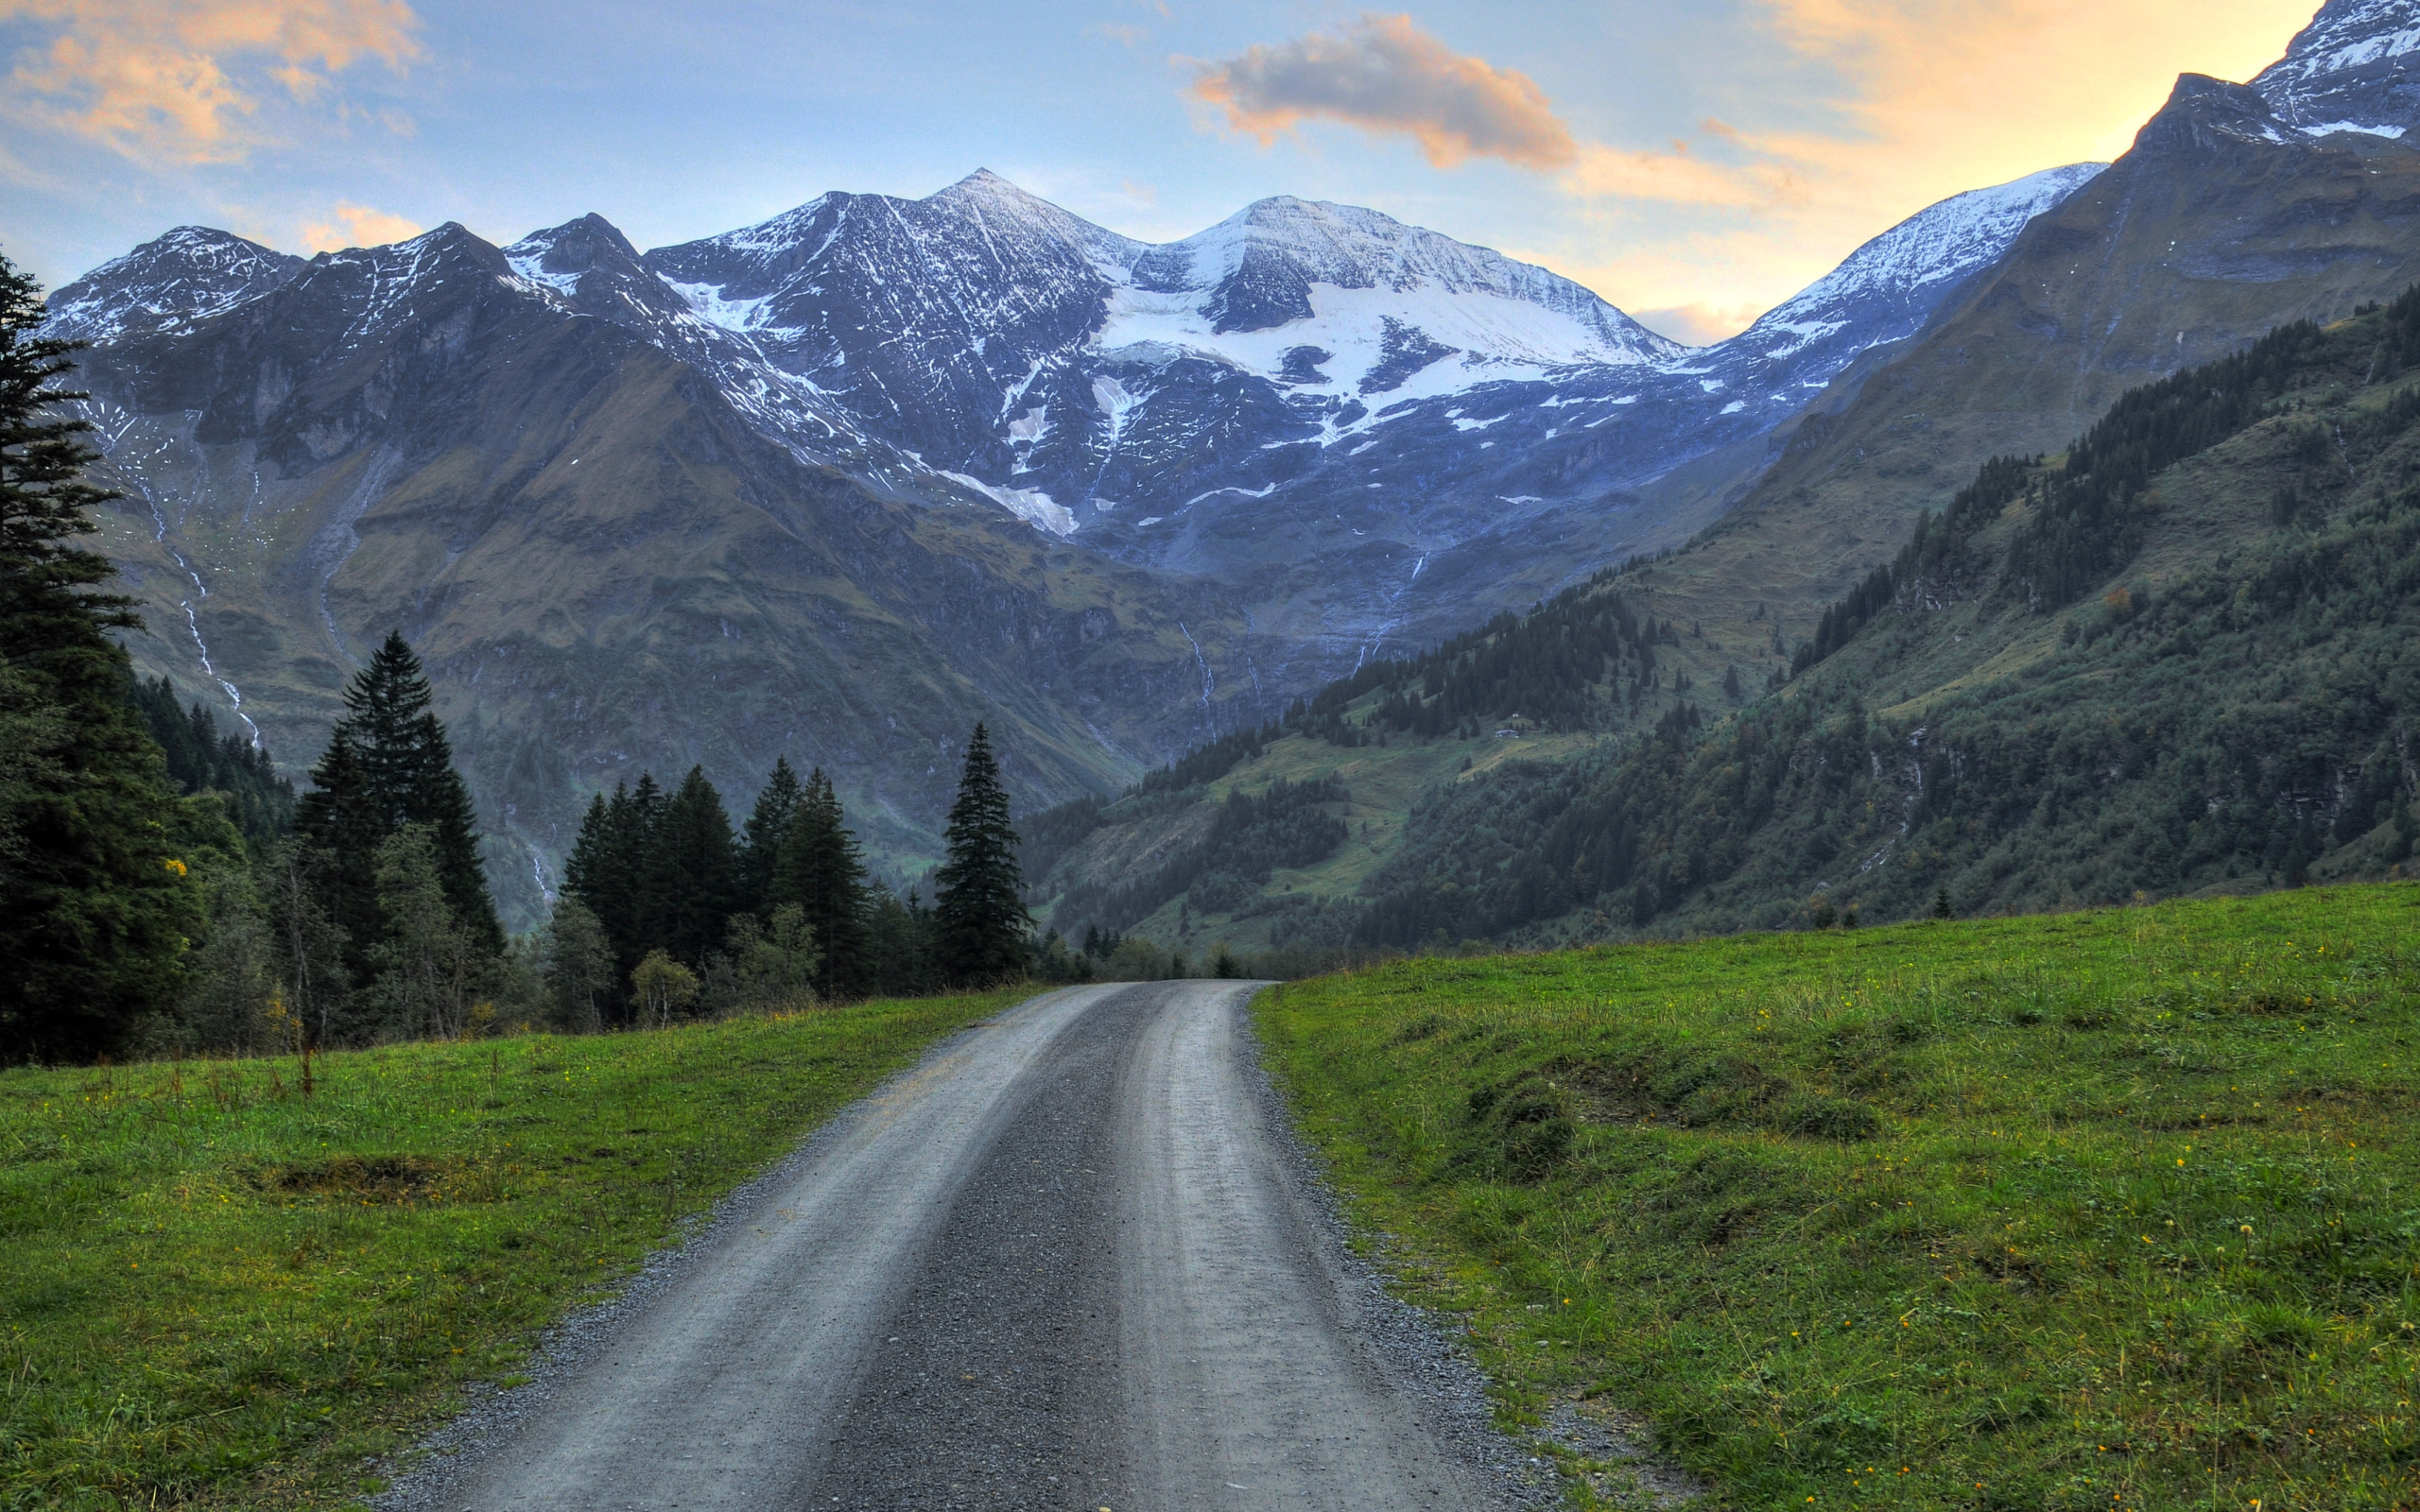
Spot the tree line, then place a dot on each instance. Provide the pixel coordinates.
(665, 902)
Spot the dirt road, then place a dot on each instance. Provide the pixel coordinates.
(1065, 1263)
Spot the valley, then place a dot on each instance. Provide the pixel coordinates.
(644, 512)
(837, 485)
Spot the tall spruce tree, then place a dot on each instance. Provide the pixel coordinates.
(981, 929)
(690, 873)
(821, 870)
(98, 907)
(388, 765)
(760, 841)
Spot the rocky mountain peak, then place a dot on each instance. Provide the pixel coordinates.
(2349, 71)
(590, 263)
(167, 284)
(2204, 114)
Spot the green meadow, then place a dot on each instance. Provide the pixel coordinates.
(219, 1288)
(2093, 1210)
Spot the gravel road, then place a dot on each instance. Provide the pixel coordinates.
(1070, 1260)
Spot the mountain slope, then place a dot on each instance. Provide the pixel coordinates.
(2349, 71)
(2180, 660)
(1310, 400)
(604, 564)
(2220, 224)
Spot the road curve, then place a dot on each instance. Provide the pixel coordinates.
(1062, 1263)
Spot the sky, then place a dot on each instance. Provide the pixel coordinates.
(1693, 163)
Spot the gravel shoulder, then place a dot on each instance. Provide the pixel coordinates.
(1073, 1259)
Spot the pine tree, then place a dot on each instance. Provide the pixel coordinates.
(981, 928)
(388, 765)
(689, 873)
(606, 872)
(96, 910)
(821, 870)
(760, 839)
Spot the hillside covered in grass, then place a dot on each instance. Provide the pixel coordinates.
(2100, 1210)
(224, 1285)
(2176, 659)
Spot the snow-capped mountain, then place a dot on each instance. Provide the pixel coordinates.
(1888, 288)
(2350, 70)
(1284, 365)
(1313, 397)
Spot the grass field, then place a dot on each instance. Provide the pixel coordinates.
(2108, 1209)
(218, 1292)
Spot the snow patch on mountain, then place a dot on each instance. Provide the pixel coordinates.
(1032, 505)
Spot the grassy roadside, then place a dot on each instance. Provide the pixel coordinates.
(2108, 1209)
(218, 1292)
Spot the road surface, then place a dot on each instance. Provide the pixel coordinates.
(1065, 1263)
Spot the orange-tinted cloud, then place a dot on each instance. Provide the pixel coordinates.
(1946, 94)
(181, 81)
(352, 224)
(1387, 77)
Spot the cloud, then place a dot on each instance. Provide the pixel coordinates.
(1389, 78)
(352, 224)
(182, 81)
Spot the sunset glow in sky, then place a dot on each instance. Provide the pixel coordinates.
(1694, 164)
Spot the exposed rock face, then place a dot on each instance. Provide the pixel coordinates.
(2350, 70)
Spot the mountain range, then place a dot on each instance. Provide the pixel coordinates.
(843, 482)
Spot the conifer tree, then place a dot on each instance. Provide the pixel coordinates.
(96, 909)
(689, 872)
(981, 927)
(821, 870)
(760, 841)
(388, 765)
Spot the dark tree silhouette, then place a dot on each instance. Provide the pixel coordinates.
(390, 764)
(97, 903)
(982, 931)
